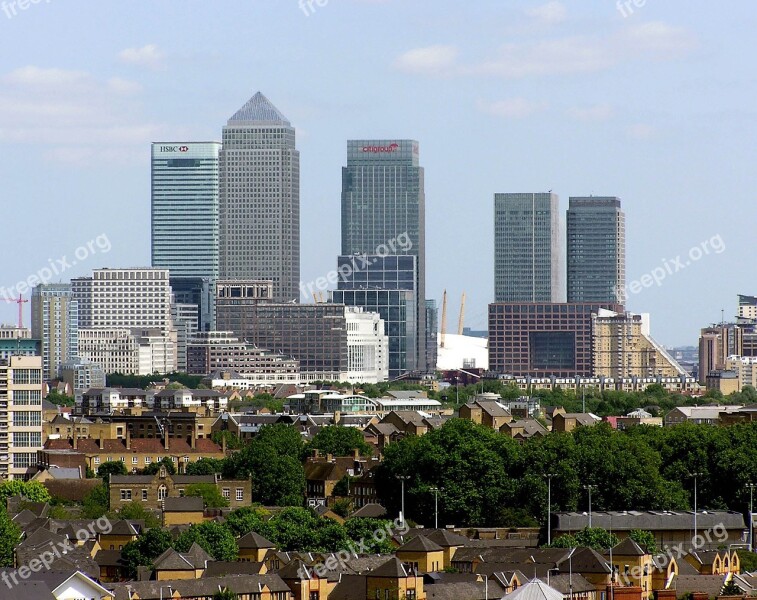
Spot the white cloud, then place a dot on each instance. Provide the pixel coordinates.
(549, 13)
(600, 112)
(75, 117)
(149, 56)
(640, 131)
(512, 108)
(567, 55)
(439, 60)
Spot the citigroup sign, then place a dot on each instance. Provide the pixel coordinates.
(391, 148)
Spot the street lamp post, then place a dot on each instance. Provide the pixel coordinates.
(402, 479)
(436, 491)
(751, 520)
(696, 477)
(588, 487)
(549, 477)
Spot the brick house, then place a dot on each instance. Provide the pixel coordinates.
(151, 490)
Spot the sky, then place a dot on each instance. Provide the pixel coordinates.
(647, 100)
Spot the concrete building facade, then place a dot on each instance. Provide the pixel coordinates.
(55, 322)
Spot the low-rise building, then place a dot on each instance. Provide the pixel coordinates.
(152, 490)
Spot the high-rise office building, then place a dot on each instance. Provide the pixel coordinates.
(383, 219)
(125, 321)
(528, 252)
(596, 232)
(185, 220)
(260, 199)
(55, 322)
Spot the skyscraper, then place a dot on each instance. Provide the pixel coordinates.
(55, 322)
(383, 219)
(596, 229)
(528, 253)
(185, 221)
(260, 199)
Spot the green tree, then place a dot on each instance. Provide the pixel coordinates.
(205, 466)
(374, 533)
(145, 549)
(31, 490)
(232, 441)
(301, 529)
(10, 535)
(212, 537)
(96, 502)
(135, 511)
(645, 539)
(597, 538)
(154, 467)
(224, 594)
(113, 467)
(274, 461)
(340, 441)
(248, 518)
(748, 561)
(731, 589)
(60, 399)
(209, 493)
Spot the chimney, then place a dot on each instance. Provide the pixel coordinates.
(165, 440)
(330, 458)
(100, 443)
(193, 440)
(356, 454)
(128, 438)
(76, 440)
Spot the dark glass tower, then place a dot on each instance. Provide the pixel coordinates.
(596, 250)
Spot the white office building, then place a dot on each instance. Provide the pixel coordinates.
(367, 347)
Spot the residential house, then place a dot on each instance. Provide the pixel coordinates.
(394, 581)
(488, 413)
(632, 564)
(524, 429)
(421, 555)
(253, 547)
(187, 509)
(566, 422)
(152, 490)
(173, 565)
(259, 587)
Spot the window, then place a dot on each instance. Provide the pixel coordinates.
(144, 495)
(181, 493)
(27, 419)
(24, 459)
(240, 494)
(97, 460)
(226, 493)
(25, 439)
(148, 460)
(410, 595)
(134, 460)
(162, 492)
(125, 495)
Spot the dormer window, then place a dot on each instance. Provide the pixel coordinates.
(163, 472)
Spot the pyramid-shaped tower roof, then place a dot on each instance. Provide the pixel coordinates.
(259, 109)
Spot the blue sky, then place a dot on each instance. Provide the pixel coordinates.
(653, 103)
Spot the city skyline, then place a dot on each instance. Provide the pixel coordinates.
(466, 98)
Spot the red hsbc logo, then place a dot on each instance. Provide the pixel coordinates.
(381, 149)
(184, 149)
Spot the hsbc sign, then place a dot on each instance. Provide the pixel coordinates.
(174, 148)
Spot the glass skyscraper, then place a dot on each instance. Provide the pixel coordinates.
(596, 250)
(260, 199)
(528, 253)
(185, 220)
(383, 220)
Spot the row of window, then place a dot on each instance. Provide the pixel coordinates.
(126, 494)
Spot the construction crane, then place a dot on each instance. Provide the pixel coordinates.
(444, 320)
(461, 320)
(20, 303)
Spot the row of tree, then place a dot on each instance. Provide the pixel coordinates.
(290, 529)
(489, 479)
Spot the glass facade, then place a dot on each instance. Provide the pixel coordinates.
(528, 254)
(596, 250)
(386, 285)
(185, 192)
(383, 216)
